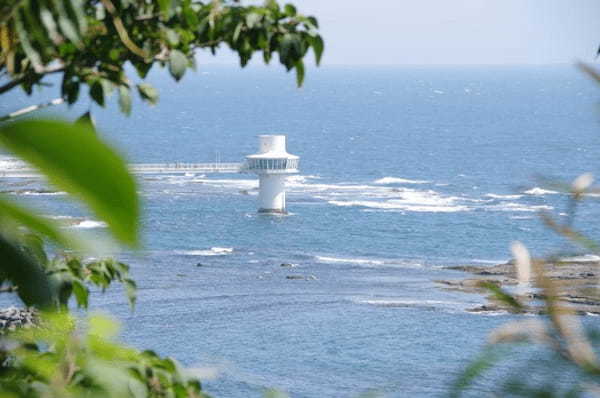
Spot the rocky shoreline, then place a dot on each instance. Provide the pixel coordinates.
(13, 318)
(577, 284)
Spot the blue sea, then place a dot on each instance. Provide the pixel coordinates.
(404, 171)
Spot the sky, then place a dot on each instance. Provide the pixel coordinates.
(440, 32)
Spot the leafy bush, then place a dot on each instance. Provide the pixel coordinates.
(90, 43)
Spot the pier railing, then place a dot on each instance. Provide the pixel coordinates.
(148, 168)
(160, 168)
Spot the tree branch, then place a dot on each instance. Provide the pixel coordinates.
(13, 83)
(21, 112)
(121, 31)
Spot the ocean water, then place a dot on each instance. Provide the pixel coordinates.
(403, 171)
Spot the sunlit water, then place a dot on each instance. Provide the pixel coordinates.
(403, 171)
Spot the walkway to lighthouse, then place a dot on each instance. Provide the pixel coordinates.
(20, 169)
(170, 168)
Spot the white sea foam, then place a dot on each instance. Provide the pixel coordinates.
(10, 163)
(370, 262)
(507, 197)
(396, 180)
(494, 262)
(330, 260)
(489, 313)
(518, 207)
(32, 192)
(300, 179)
(77, 222)
(89, 224)
(213, 251)
(401, 205)
(586, 258)
(539, 191)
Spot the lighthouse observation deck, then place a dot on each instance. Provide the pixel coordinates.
(274, 166)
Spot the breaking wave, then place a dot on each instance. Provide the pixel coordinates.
(329, 260)
(537, 191)
(385, 194)
(77, 222)
(369, 262)
(35, 192)
(89, 224)
(213, 251)
(586, 258)
(395, 180)
(507, 197)
(399, 205)
(518, 207)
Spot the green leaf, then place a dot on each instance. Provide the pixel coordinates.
(142, 68)
(178, 62)
(272, 393)
(34, 285)
(237, 31)
(148, 93)
(70, 90)
(81, 293)
(253, 19)
(299, 73)
(77, 9)
(131, 289)
(66, 25)
(313, 21)
(74, 159)
(501, 295)
(165, 8)
(125, 100)
(87, 120)
(31, 53)
(49, 23)
(483, 362)
(102, 327)
(38, 224)
(318, 46)
(34, 245)
(285, 47)
(290, 10)
(172, 37)
(97, 92)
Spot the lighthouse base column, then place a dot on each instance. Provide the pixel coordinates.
(271, 194)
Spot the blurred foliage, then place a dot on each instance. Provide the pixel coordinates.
(567, 345)
(91, 44)
(75, 160)
(66, 358)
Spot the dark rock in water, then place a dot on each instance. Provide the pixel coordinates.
(199, 265)
(244, 192)
(290, 265)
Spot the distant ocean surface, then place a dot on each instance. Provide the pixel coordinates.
(403, 171)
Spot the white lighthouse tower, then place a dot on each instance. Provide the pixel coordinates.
(272, 164)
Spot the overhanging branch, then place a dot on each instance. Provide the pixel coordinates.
(13, 83)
